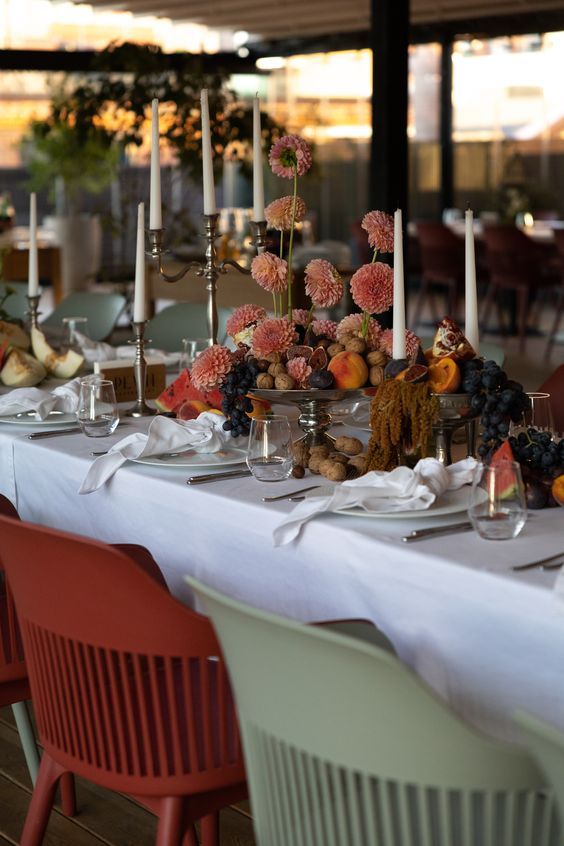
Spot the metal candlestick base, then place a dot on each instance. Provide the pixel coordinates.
(455, 411)
(140, 408)
(32, 311)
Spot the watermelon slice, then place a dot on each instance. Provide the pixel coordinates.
(505, 475)
(182, 390)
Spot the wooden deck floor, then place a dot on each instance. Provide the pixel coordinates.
(103, 817)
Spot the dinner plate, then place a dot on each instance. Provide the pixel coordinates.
(191, 460)
(28, 418)
(451, 502)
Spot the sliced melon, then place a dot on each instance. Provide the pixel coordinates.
(65, 366)
(21, 370)
(14, 335)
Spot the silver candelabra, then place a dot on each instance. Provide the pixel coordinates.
(140, 407)
(210, 268)
(33, 303)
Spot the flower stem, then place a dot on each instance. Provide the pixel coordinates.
(364, 327)
(274, 303)
(375, 255)
(310, 317)
(291, 242)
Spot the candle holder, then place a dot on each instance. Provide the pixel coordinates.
(140, 408)
(210, 268)
(32, 312)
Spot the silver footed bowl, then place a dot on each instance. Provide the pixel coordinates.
(455, 410)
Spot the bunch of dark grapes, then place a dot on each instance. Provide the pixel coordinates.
(236, 403)
(538, 451)
(499, 400)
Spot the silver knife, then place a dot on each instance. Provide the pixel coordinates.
(539, 563)
(35, 436)
(216, 477)
(421, 534)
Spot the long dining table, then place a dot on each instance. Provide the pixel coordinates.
(488, 639)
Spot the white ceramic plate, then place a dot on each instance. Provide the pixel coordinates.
(191, 460)
(451, 502)
(28, 418)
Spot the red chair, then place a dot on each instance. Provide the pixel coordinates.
(128, 685)
(559, 241)
(554, 386)
(442, 264)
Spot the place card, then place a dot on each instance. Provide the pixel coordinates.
(121, 373)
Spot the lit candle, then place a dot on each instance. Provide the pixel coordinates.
(207, 163)
(155, 210)
(398, 331)
(258, 177)
(471, 297)
(139, 302)
(33, 275)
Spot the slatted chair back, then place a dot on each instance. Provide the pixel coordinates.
(511, 256)
(102, 311)
(441, 252)
(183, 320)
(345, 747)
(546, 744)
(14, 685)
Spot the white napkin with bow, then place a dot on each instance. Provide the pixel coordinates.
(204, 434)
(401, 489)
(63, 398)
(100, 351)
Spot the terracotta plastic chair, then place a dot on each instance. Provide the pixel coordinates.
(344, 746)
(546, 744)
(554, 386)
(442, 264)
(128, 685)
(559, 241)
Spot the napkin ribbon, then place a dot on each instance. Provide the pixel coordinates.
(205, 434)
(402, 489)
(63, 398)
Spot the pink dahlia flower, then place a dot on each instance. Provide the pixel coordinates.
(211, 367)
(372, 287)
(380, 228)
(278, 213)
(325, 329)
(300, 316)
(244, 316)
(299, 370)
(323, 283)
(412, 342)
(275, 334)
(270, 272)
(352, 324)
(288, 154)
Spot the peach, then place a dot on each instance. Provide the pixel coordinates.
(349, 370)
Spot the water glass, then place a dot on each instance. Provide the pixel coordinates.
(190, 349)
(73, 325)
(498, 508)
(97, 408)
(540, 415)
(269, 454)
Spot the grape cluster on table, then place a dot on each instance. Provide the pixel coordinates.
(538, 451)
(236, 404)
(500, 401)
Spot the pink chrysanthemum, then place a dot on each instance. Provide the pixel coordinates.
(278, 213)
(299, 370)
(211, 367)
(274, 334)
(325, 329)
(244, 316)
(352, 324)
(372, 287)
(270, 272)
(323, 283)
(412, 342)
(380, 228)
(288, 154)
(300, 316)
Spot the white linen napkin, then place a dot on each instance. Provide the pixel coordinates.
(401, 489)
(63, 398)
(100, 351)
(205, 434)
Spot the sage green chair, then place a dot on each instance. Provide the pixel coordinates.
(546, 744)
(16, 304)
(344, 746)
(183, 320)
(102, 310)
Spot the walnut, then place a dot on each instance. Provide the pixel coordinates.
(263, 365)
(376, 357)
(265, 381)
(320, 449)
(315, 461)
(346, 336)
(273, 357)
(338, 456)
(333, 470)
(284, 382)
(301, 453)
(376, 375)
(358, 461)
(350, 446)
(357, 345)
(335, 348)
(276, 368)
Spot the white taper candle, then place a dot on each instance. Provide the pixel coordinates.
(471, 329)
(258, 176)
(139, 301)
(33, 273)
(207, 161)
(398, 333)
(155, 208)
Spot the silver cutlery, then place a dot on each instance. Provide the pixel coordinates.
(35, 436)
(435, 531)
(542, 562)
(291, 496)
(217, 477)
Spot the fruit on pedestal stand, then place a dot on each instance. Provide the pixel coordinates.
(64, 366)
(181, 391)
(394, 367)
(557, 489)
(21, 370)
(444, 376)
(450, 340)
(14, 335)
(349, 370)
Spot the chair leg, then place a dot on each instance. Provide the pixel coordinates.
(522, 317)
(41, 802)
(170, 829)
(210, 830)
(190, 838)
(68, 795)
(27, 737)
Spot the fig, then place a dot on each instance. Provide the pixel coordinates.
(537, 495)
(318, 359)
(299, 350)
(321, 379)
(394, 367)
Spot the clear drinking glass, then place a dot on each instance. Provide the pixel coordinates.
(498, 508)
(540, 415)
(97, 408)
(190, 349)
(72, 326)
(269, 454)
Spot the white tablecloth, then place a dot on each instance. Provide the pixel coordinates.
(488, 640)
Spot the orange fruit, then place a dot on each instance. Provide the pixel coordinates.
(557, 489)
(444, 376)
(261, 408)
